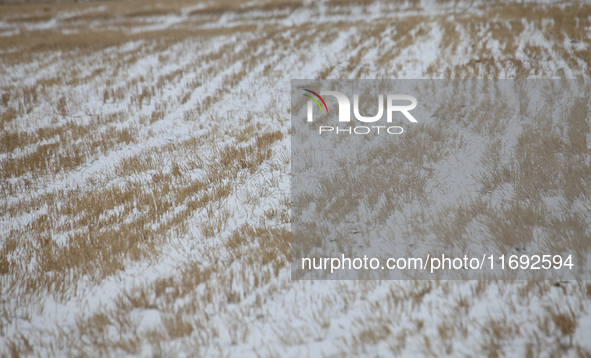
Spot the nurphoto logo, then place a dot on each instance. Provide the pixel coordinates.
(417, 206)
(344, 112)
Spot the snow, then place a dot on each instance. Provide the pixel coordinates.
(291, 306)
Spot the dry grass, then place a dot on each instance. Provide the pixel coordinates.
(125, 141)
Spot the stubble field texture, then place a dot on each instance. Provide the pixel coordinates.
(145, 179)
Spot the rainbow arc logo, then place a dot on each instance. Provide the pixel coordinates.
(315, 100)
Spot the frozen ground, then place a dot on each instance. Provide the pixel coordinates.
(145, 175)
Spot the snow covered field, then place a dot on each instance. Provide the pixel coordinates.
(145, 176)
